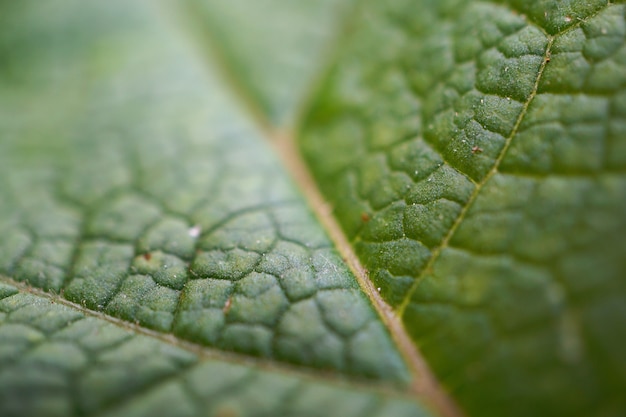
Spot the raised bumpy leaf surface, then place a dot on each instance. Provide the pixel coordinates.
(133, 185)
(57, 361)
(477, 163)
(157, 258)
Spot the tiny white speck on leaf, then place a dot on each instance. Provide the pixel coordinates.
(378, 289)
(194, 231)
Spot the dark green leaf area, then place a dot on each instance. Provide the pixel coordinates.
(55, 361)
(485, 191)
(431, 129)
(532, 289)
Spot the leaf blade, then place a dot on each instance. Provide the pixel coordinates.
(58, 361)
(487, 223)
(136, 186)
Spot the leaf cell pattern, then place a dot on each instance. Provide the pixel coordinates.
(475, 161)
(485, 191)
(57, 361)
(181, 220)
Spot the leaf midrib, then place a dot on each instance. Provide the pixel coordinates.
(425, 384)
(282, 141)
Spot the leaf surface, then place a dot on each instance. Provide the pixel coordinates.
(134, 185)
(477, 166)
(58, 361)
(158, 258)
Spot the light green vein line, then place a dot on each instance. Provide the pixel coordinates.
(461, 217)
(207, 353)
(477, 190)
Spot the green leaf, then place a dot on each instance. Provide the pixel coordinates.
(58, 361)
(135, 186)
(157, 256)
(477, 163)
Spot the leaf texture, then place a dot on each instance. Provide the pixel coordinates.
(477, 165)
(134, 185)
(156, 258)
(57, 361)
